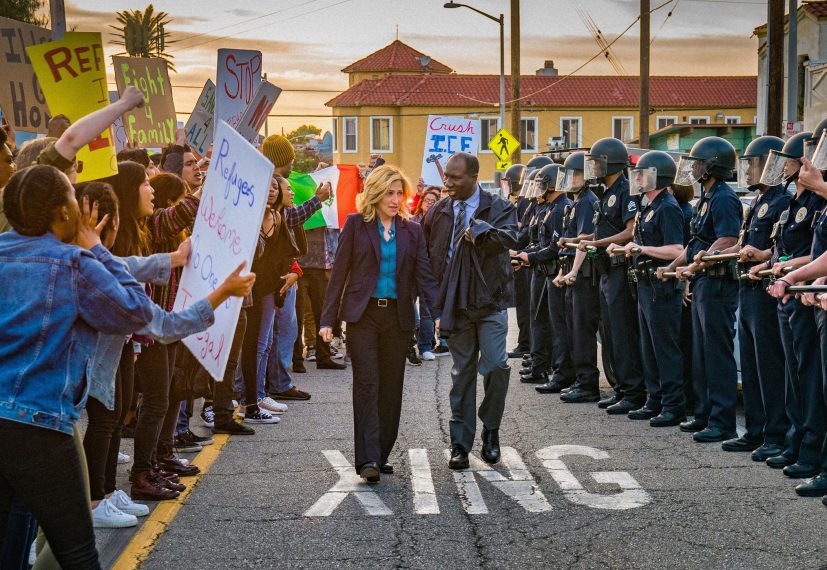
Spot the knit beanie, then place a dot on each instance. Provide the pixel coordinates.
(278, 150)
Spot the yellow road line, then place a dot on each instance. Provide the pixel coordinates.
(158, 521)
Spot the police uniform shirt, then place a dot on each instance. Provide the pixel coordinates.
(617, 207)
(719, 215)
(688, 212)
(523, 226)
(762, 215)
(551, 230)
(534, 225)
(580, 217)
(796, 237)
(661, 222)
(820, 235)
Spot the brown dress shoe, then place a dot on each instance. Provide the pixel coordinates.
(168, 482)
(147, 487)
(171, 464)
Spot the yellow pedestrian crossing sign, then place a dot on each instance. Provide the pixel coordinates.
(503, 144)
(503, 165)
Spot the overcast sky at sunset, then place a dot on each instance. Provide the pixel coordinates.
(306, 42)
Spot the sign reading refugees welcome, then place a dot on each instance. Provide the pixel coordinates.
(225, 234)
(152, 125)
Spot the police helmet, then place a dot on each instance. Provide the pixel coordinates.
(529, 190)
(607, 156)
(539, 161)
(514, 178)
(570, 177)
(816, 147)
(784, 164)
(546, 179)
(751, 163)
(654, 170)
(710, 156)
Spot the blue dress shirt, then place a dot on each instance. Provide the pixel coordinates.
(471, 205)
(386, 284)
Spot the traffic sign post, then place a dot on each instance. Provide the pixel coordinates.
(503, 145)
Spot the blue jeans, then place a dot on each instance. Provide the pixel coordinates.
(284, 330)
(265, 341)
(425, 333)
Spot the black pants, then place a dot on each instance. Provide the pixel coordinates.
(157, 415)
(48, 480)
(103, 434)
(821, 322)
(377, 347)
(314, 284)
(522, 288)
(618, 310)
(659, 306)
(223, 393)
(540, 326)
(561, 361)
(582, 315)
(686, 350)
(249, 352)
(762, 366)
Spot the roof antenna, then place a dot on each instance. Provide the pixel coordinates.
(397, 32)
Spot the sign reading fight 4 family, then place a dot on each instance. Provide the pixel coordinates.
(199, 126)
(225, 234)
(237, 79)
(21, 99)
(445, 136)
(72, 74)
(152, 125)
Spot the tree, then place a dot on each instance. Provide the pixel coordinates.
(298, 135)
(143, 34)
(23, 11)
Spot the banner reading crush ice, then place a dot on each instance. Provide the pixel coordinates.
(444, 136)
(225, 234)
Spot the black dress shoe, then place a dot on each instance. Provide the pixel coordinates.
(534, 379)
(713, 435)
(693, 425)
(766, 451)
(780, 461)
(801, 470)
(610, 401)
(330, 365)
(370, 472)
(517, 353)
(386, 469)
(580, 395)
(490, 445)
(459, 458)
(740, 444)
(667, 419)
(815, 487)
(554, 386)
(526, 371)
(622, 408)
(643, 413)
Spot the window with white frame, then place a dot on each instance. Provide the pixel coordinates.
(698, 120)
(666, 121)
(623, 128)
(571, 131)
(350, 134)
(335, 134)
(488, 128)
(381, 134)
(528, 134)
(732, 120)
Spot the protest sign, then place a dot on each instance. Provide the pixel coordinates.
(199, 126)
(237, 79)
(444, 136)
(225, 234)
(152, 125)
(117, 127)
(72, 74)
(21, 99)
(257, 111)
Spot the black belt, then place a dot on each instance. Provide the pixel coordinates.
(383, 303)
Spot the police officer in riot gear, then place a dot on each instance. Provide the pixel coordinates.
(759, 336)
(512, 184)
(578, 275)
(606, 164)
(793, 245)
(658, 240)
(524, 239)
(545, 260)
(714, 290)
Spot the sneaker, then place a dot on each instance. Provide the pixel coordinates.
(123, 458)
(337, 343)
(336, 355)
(107, 515)
(413, 359)
(259, 416)
(232, 427)
(311, 355)
(183, 444)
(235, 403)
(238, 411)
(427, 356)
(272, 406)
(292, 394)
(202, 441)
(125, 504)
(208, 416)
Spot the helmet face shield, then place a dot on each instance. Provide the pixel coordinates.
(749, 170)
(505, 187)
(642, 180)
(595, 167)
(778, 167)
(689, 171)
(528, 189)
(569, 180)
(819, 156)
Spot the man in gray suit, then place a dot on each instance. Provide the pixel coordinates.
(469, 234)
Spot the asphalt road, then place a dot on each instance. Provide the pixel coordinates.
(580, 490)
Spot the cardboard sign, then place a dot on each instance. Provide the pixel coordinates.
(225, 234)
(237, 79)
(21, 99)
(444, 136)
(72, 74)
(199, 126)
(152, 125)
(117, 127)
(257, 111)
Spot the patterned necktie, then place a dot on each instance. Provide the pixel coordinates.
(459, 225)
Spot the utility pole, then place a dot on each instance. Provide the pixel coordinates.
(57, 12)
(643, 120)
(515, 76)
(792, 62)
(775, 55)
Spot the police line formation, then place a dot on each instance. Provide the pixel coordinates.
(620, 251)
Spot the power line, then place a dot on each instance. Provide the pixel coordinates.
(669, 15)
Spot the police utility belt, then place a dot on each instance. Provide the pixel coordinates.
(586, 270)
(644, 270)
(549, 269)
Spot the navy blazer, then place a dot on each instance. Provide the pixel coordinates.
(356, 272)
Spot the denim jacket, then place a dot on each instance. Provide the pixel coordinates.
(165, 327)
(54, 299)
